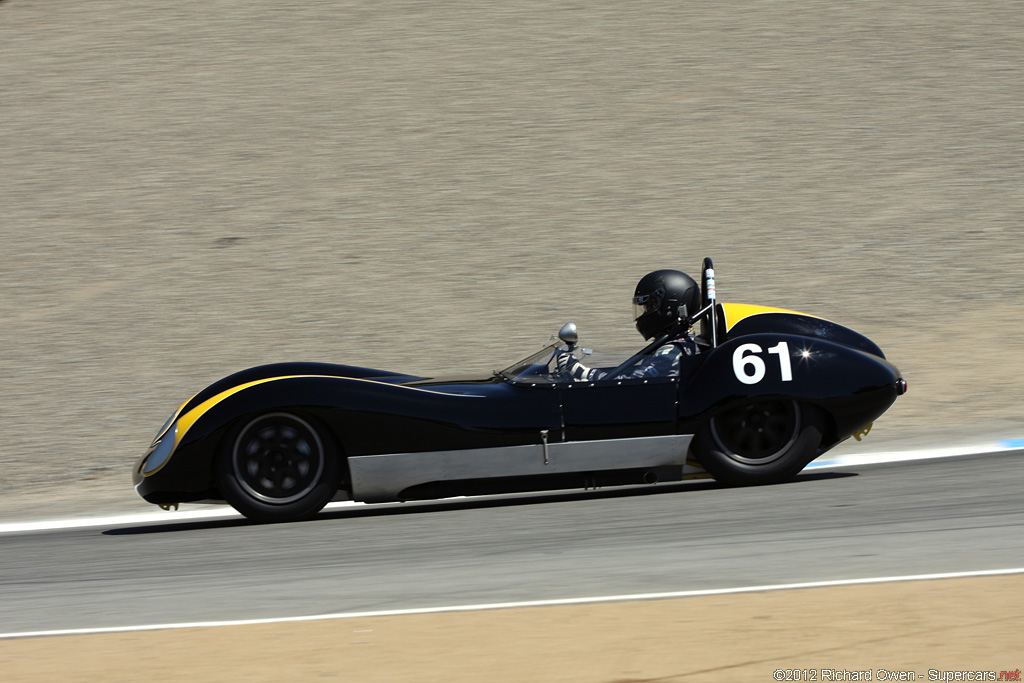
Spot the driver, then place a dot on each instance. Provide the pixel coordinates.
(661, 300)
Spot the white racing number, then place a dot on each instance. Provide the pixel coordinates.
(751, 368)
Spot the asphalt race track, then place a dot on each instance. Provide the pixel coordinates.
(929, 516)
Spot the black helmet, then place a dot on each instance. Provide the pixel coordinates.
(661, 299)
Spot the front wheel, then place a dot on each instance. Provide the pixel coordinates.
(764, 442)
(278, 468)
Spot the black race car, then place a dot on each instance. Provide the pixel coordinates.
(768, 391)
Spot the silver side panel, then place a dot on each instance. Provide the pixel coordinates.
(380, 478)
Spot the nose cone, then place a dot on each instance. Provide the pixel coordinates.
(901, 386)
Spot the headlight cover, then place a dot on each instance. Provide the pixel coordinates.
(166, 425)
(161, 451)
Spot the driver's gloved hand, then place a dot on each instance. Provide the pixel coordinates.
(569, 367)
(562, 362)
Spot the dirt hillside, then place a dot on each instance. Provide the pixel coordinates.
(197, 187)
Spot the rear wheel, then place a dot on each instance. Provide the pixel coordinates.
(763, 442)
(278, 467)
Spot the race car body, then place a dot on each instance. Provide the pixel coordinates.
(769, 391)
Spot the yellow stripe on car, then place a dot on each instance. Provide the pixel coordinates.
(190, 418)
(184, 422)
(737, 312)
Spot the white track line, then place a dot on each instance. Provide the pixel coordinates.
(853, 460)
(222, 512)
(515, 605)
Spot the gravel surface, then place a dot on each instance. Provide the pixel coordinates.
(197, 187)
(882, 629)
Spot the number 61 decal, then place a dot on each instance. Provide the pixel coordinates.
(750, 369)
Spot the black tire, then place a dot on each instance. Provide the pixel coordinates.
(764, 442)
(278, 467)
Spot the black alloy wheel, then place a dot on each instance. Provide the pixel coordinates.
(763, 442)
(759, 433)
(278, 467)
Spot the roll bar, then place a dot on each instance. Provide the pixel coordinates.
(707, 299)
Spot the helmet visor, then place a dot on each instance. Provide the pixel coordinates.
(644, 303)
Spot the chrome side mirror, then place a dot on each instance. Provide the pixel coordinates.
(568, 334)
